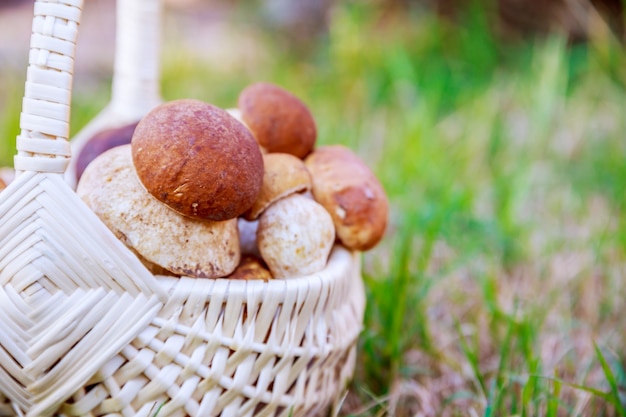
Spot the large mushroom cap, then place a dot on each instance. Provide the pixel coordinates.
(198, 160)
(279, 120)
(162, 237)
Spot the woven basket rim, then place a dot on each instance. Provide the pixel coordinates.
(340, 258)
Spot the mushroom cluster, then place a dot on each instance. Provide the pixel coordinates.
(196, 190)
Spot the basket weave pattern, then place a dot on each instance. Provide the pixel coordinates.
(47, 96)
(235, 350)
(87, 330)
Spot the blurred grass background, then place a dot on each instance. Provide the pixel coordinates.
(498, 133)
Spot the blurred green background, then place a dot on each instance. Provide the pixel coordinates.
(497, 130)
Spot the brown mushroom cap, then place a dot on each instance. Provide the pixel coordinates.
(279, 120)
(351, 193)
(101, 142)
(198, 160)
(284, 174)
(162, 237)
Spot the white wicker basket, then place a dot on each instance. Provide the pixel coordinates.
(86, 330)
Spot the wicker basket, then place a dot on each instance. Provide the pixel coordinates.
(87, 330)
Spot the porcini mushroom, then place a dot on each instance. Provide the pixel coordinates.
(351, 193)
(284, 174)
(101, 142)
(179, 244)
(279, 120)
(295, 236)
(198, 160)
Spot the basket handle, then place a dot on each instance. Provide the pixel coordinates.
(44, 122)
(136, 73)
(43, 145)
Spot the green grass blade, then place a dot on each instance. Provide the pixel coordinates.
(472, 358)
(553, 400)
(610, 377)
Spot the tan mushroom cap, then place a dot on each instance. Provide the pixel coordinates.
(284, 174)
(295, 237)
(3, 185)
(164, 238)
(279, 120)
(197, 159)
(351, 193)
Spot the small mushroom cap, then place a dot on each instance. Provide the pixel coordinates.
(3, 185)
(101, 142)
(284, 174)
(295, 237)
(198, 160)
(279, 120)
(251, 268)
(179, 244)
(351, 193)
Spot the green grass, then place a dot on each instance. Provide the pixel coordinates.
(499, 288)
(11, 89)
